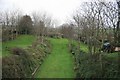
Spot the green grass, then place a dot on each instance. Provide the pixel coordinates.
(58, 64)
(111, 55)
(22, 41)
(84, 47)
(0, 48)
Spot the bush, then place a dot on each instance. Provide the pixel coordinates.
(94, 65)
(91, 66)
(23, 62)
(18, 66)
(17, 51)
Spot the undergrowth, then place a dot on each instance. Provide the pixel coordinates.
(99, 65)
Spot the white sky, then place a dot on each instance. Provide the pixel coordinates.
(61, 10)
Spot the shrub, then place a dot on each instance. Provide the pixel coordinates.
(91, 66)
(23, 62)
(18, 66)
(94, 65)
(17, 51)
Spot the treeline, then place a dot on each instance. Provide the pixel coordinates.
(14, 23)
(95, 22)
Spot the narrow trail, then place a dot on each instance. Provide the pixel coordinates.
(58, 64)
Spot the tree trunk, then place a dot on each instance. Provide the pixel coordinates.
(118, 25)
(118, 35)
(101, 65)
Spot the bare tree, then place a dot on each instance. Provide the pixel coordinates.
(9, 22)
(41, 23)
(110, 13)
(95, 22)
(118, 24)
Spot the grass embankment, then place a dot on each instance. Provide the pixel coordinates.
(23, 60)
(59, 64)
(22, 41)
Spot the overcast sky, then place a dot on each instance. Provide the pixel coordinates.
(61, 10)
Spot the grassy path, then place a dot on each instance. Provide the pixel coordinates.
(59, 64)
